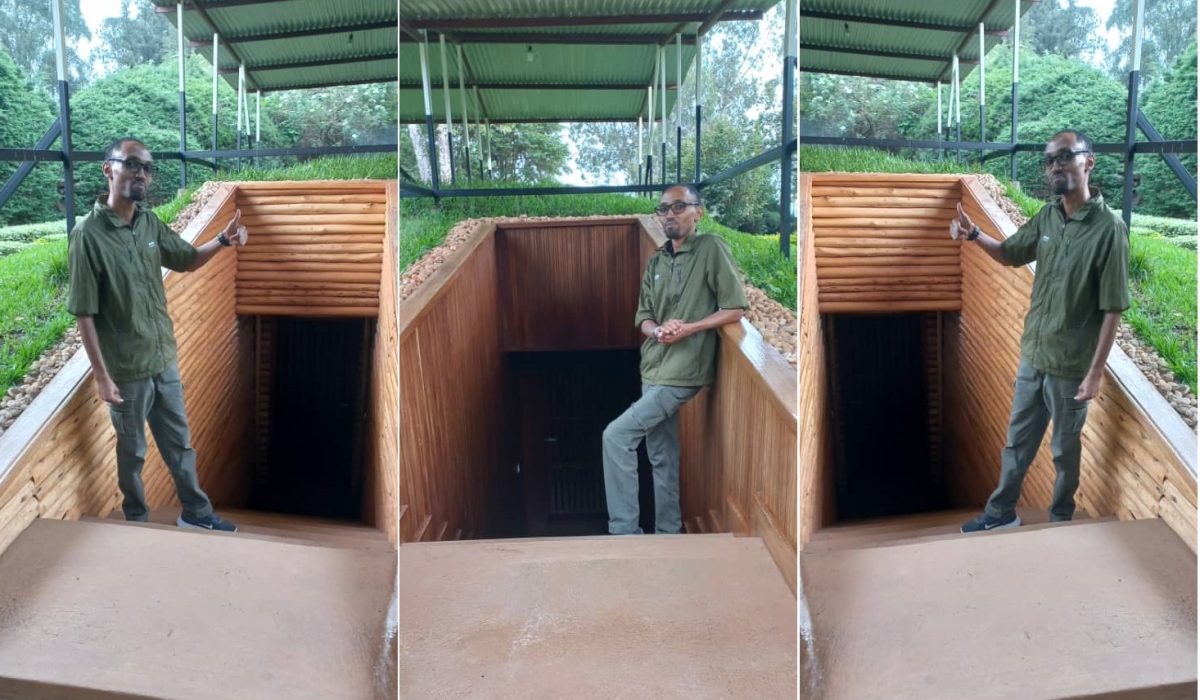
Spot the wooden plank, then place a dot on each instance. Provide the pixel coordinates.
(413, 307)
(782, 552)
(307, 311)
(714, 521)
(845, 307)
(739, 526)
(887, 261)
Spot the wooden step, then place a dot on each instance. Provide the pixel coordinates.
(93, 610)
(288, 527)
(881, 532)
(1102, 610)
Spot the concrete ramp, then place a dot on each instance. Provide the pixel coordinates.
(96, 610)
(652, 616)
(1092, 610)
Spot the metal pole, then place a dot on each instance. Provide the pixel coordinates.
(431, 143)
(1016, 71)
(216, 69)
(257, 123)
(487, 127)
(983, 90)
(462, 93)
(662, 77)
(785, 163)
(678, 108)
(449, 119)
(182, 97)
(650, 127)
(1139, 8)
(939, 113)
(697, 100)
(957, 108)
(639, 140)
(479, 127)
(240, 104)
(64, 114)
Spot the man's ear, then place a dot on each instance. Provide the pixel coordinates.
(107, 168)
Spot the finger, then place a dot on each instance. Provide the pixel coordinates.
(237, 215)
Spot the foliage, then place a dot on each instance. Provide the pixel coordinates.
(1170, 105)
(27, 34)
(1062, 28)
(347, 115)
(1163, 302)
(424, 226)
(818, 159)
(138, 36)
(27, 114)
(380, 166)
(1169, 26)
(33, 314)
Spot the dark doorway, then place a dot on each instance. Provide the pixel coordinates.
(319, 377)
(560, 403)
(880, 385)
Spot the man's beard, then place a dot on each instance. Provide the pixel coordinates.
(136, 193)
(1060, 185)
(674, 233)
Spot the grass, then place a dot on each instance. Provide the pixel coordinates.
(1162, 257)
(425, 226)
(33, 264)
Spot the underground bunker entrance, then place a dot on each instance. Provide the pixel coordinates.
(559, 404)
(884, 374)
(312, 386)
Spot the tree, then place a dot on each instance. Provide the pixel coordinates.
(1169, 26)
(527, 153)
(27, 115)
(345, 115)
(1170, 105)
(1062, 28)
(137, 37)
(27, 34)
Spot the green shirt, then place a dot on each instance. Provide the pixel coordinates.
(688, 285)
(116, 277)
(1082, 272)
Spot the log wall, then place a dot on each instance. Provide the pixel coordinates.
(383, 428)
(1139, 457)
(451, 397)
(816, 449)
(881, 242)
(315, 249)
(58, 459)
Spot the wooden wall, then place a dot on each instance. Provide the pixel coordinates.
(383, 428)
(816, 450)
(315, 248)
(452, 465)
(58, 459)
(568, 286)
(882, 243)
(1139, 457)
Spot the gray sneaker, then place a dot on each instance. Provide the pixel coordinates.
(986, 522)
(211, 521)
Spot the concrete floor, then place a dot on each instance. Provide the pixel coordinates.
(652, 616)
(1094, 609)
(177, 615)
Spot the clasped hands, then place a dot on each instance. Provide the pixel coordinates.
(673, 331)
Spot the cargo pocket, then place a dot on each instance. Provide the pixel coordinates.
(124, 418)
(1074, 415)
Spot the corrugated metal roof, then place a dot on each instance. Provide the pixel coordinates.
(900, 39)
(295, 44)
(592, 59)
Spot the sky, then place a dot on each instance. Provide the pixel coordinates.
(94, 13)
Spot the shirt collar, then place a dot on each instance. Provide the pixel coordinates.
(1096, 202)
(104, 211)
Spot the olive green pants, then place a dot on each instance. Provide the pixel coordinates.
(1039, 398)
(159, 401)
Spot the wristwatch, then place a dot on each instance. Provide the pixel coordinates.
(655, 332)
(974, 234)
(223, 240)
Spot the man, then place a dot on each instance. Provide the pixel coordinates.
(1080, 289)
(691, 287)
(117, 295)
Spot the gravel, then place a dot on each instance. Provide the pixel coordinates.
(774, 321)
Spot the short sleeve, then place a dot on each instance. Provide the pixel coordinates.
(723, 274)
(1114, 271)
(177, 254)
(1021, 248)
(645, 297)
(83, 294)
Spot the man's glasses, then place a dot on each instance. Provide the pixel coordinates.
(134, 165)
(677, 207)
(1062, 158)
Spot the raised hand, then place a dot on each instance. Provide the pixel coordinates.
(961, 225)
(235, 232)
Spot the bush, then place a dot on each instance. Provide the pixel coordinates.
(27, 114)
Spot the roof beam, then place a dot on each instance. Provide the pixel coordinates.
(323, 31)
(410, 32)
(969, 38)
(250, 82)
(590, 21)
(340, 83)
(212, 5)
(714, 17)
(541, 39)
(524, 86)
(898, 23)
(807, 46)
(905, 78)
(316, 64)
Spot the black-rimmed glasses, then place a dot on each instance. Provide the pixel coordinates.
(135, 165)
(1062, 158)
(676, 207)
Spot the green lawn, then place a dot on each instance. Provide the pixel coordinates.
(1162, 265)
(33, 264)
(424, 226)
